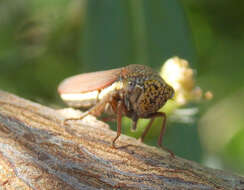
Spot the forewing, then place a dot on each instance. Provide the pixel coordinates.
(88, 82)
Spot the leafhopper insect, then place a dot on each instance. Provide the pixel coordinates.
(135, 91)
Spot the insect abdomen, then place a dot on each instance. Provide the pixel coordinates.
(88, 99)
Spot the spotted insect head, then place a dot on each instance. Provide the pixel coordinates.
(145, 92)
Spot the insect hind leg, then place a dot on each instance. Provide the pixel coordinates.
(162, 131)
(96, 110)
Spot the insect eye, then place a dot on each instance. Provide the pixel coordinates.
(130, 86)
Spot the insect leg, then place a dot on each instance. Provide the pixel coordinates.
(95, 110)
(107, 119)
(162, 131)
(119, 117)
(147, 129)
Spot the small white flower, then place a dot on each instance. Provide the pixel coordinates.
(177, 73)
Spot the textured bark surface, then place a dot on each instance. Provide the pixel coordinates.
(38, 152)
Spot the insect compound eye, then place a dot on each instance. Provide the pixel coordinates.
(130, 86)
(139, 80)
(130, 83)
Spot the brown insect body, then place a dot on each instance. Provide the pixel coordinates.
(135, 91)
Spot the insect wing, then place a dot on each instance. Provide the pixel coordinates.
(88, 82)
(83, 91)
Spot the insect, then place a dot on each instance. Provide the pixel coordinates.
(135, 91)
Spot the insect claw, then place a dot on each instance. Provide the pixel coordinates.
(65, 121)
(113, 146)
(172, 155)
(140, 140)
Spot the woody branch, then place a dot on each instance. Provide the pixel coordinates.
(38, 152)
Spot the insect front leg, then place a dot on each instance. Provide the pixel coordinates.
(162, 131)
(119, 119)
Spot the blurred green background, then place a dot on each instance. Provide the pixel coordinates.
(42, 42)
